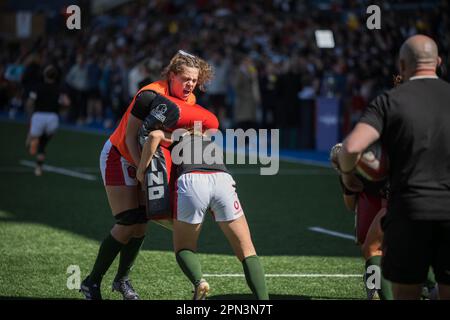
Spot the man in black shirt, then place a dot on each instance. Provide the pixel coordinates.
(412, 121)
(44, 100)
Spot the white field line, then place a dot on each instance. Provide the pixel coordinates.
(252, 152)
(291, 159)
(286, 275)
(63, 171)
(244, 171)
(290, 172)
(332, 233)
(22, 169)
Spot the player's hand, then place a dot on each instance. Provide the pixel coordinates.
(334, 153)
(140, 175)
(352, 183)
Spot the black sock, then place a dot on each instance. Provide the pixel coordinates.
(108, 251)
(128, 255)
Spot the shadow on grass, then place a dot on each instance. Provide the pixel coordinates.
(279, 208)
(34, 299)
(226, 297)
(273, 297)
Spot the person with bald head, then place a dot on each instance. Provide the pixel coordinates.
(419, 57)
(413, 123)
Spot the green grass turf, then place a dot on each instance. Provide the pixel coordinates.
(48, 223)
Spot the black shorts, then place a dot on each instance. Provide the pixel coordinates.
(410, 247)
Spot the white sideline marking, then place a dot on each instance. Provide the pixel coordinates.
(332, 233)
(59, 170)
(290, 172)
(13, 169)
(243, 171)
(288, 275)
(291, 159)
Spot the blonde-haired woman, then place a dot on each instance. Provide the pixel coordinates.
(119, 159)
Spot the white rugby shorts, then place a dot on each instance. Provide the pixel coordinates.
(43, 122)
(116, 170)
(198, 192)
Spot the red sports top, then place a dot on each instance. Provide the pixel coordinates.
(189, 112)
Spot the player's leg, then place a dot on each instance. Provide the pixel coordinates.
(124, 205)
(33, 143)
(185, 237)
(123, 197)
(406, 269)
(231, 219)
(132, 232)
(441, 262)
(192, 201)
(127, 204)
(372, 253)
(430, 289)
(49, 123)
(406, 291)
(37, 129)
(41, 152)
(238, 236)
(368, 206)
(444, 291)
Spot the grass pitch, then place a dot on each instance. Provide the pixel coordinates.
(51, 222)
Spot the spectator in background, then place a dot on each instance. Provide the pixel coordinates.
(268, 84)
(153, 67)
(117, 93)
(105, 92)
(248, 99)
(77, 79)
(136, 75)
(259, 30)
(4, 92)
(32, 74)
(288, 110)
(94, 100)
(218, 87)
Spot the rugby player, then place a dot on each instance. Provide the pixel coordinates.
(201, 188)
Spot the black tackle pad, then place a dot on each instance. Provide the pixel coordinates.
(156, 186)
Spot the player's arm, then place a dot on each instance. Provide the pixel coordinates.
(131, 138)
(366, 132)
(350, 202)
(29, 104)
(349, 195)
(138, 114)
(64, 100)
(155, 138)
(362, 136)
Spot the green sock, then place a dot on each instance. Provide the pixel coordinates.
(385, 291)
(128, 255)
(254, 274)
(431, 281)
(108, 251)
(190, 265)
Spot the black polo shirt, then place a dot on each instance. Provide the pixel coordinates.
(199, 148)
(413, 120)
(46, 96)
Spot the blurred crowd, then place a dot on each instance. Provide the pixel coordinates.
(268, 68)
